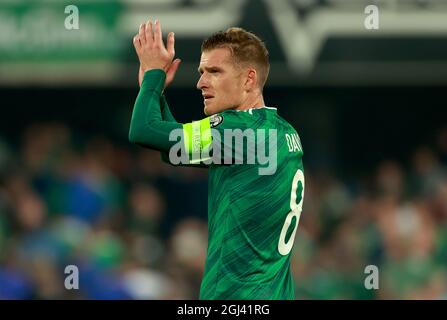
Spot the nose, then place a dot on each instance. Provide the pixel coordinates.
(202, 83)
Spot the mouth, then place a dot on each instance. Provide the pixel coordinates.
(207, 97)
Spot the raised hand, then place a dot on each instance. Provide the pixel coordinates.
(152, 52)
(150, 48)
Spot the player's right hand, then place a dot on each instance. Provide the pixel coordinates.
(150, 48)
(145, 31)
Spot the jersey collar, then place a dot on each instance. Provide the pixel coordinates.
(250, 111)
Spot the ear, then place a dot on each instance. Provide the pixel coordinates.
(251, 79)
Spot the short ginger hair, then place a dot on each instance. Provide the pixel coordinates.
(246, 49)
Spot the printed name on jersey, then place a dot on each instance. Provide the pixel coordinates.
(293, 142)
(215, 120)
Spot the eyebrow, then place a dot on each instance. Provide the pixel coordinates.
(209, 68)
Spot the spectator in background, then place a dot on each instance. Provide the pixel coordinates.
(125, 255)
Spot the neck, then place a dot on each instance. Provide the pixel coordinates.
(252, 101)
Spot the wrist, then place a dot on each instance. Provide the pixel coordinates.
(154, 79)
(146, 69)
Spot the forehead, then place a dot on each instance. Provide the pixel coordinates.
(218, 56)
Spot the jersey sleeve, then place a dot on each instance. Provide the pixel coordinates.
(166, 115)
(147, 127)
(165, 110)
(153, 126)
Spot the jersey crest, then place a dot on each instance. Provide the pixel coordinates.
(215, 120)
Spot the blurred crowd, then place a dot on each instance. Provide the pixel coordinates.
(136, 228)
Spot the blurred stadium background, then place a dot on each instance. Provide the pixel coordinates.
(369, 105)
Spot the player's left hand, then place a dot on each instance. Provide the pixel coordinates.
(170, 74)
(151, 50)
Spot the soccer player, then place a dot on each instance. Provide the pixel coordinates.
(254, 157)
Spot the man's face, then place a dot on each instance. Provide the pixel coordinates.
(221, 81)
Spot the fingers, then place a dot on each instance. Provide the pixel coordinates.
(175, 65)
(137, 43)
(157, 35)
(142, 34)
(170, 43)
(150, 36)
(172, 70)
(149, 33)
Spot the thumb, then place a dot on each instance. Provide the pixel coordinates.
(174, 67)
(170, 73)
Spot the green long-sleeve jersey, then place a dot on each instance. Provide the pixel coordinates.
(255, 192)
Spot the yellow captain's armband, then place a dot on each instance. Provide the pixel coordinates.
(198, 139)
